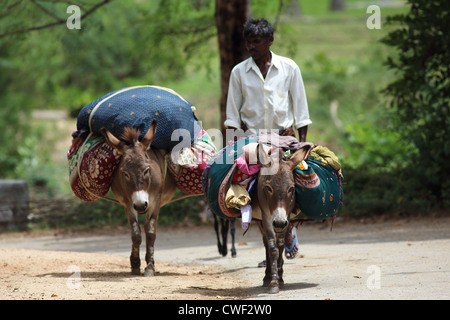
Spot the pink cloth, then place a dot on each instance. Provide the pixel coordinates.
(248, 169)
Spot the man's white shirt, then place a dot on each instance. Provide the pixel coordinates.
(276, 102)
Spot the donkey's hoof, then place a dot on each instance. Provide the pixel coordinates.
(136, 271)
(273, 290)
(149, 273)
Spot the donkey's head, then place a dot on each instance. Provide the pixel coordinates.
(276, 186)
(134, 168)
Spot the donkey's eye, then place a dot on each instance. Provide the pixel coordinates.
(147, 171)
(126, 175)
(291, 190)
(268, 190)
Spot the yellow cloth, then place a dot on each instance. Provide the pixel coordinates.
(237, 196)
(326, 155)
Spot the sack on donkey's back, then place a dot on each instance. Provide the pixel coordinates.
(136, 107)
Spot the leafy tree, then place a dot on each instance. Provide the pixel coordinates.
(45, 65)
(420, 97)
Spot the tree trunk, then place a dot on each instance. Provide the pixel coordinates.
(231, 16)
(337, 5)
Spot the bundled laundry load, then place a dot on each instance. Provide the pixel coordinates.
(318, 187)
(187, 165)
(230, 177)
(93, 163)
(218, 176)
(136, 107)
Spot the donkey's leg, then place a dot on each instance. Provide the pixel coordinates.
(267, 277)
(272, 252)
(233, 231)
(216, 228)
(225, 225)
(274, 285)
(280, 262)
(136, 240)
(150, 233)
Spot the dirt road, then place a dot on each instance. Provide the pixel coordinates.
(394, 259)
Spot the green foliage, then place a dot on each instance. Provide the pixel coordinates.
(180, 211)
(372, 148)
(72, 212)
(379, 192)
(363, 137)
(331, 75)
(58, 68)
(420, 96)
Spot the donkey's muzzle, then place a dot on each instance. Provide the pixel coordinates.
(140, 201)
(141, 208)
(279, 220)
(280, 224)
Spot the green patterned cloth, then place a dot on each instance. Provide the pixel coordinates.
(318, 189)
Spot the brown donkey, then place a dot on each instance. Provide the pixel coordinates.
(275, 199)
(142, 186)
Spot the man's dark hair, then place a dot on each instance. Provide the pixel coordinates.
(258, 27)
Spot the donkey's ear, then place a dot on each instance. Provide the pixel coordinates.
(150, 135)
(113, 141)
(299, 156)
(263, 158)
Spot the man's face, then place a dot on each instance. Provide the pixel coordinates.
(258, 46)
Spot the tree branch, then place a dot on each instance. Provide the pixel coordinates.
(58, 21)
(44, 9)
(8, 8)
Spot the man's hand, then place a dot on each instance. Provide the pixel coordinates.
(287, 132)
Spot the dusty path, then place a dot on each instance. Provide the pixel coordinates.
(401, 259)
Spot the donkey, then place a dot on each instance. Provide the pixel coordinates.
(275, 199)
(142, 186)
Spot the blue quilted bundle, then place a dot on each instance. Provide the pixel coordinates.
(136, 107)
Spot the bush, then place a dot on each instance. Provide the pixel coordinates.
(380, 192)
(420, 97)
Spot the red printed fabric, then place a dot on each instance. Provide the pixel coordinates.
(189, 181)
(98, 162)
(188, 176)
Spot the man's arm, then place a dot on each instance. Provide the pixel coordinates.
(234, 102)
(302, 132)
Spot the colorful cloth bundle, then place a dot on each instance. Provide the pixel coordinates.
(92, 164)
(218, 176)
(318, 189)
(136, 107)
(188, 166)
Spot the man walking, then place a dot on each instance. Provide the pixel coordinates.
(266, 92)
